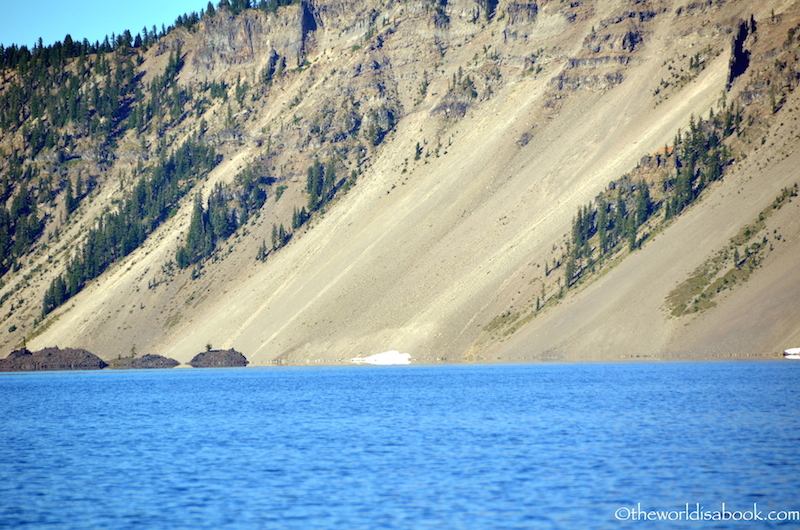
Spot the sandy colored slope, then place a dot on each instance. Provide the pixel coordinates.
(422, 261)
(623, 315)
(416, 269)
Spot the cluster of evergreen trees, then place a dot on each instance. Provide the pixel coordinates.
(119, 233)
(701, 159)
(698, 159)
(102, 98)
(462, 86)
(208, 225)
(614, 222)
(320, 184)
(227, 208)
(53, 106)
(20, 227)
(76, 96)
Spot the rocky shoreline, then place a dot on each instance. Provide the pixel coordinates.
(57, 359)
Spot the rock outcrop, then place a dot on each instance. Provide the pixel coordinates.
(51, 359)
(148, 361)
(250, 39)
(218, 359)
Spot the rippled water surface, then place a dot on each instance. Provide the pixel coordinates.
(412, 447)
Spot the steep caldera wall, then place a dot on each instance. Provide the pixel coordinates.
(418, 166)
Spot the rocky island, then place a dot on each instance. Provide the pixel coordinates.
(55, 358)
(47, 359)
(218, 359)
(145, 362)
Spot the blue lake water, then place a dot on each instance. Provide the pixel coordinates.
(411, 447)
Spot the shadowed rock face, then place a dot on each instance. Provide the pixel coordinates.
(51, 359)
(740, 57)
(218, 359)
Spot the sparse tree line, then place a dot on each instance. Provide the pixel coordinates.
(732, 264)
(145, 208)
(697, 159)
(99, 99)
(322, 184)
(73, 99)
(60, 105)
(20, 227)
(227, 208)
(22, 58)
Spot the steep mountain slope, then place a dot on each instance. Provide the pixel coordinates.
(463, 141)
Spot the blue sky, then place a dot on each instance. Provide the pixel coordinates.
(24, 21)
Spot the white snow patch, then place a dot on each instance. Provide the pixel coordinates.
(387, 357)
(792, 353)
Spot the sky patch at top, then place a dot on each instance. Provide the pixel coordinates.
(23, 23)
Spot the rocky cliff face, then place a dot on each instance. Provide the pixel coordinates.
(458, 138)
(250, 40)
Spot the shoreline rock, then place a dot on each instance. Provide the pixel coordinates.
(145, 362)
(51, 359)
(218, 359)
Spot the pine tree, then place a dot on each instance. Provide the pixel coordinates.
(314, 186)
(330, 181)
(70, 202)
(197, 239)
(630, 232)
(644, 204)
(602, 225)
(283, 236)
(620, 214)
(569, 267)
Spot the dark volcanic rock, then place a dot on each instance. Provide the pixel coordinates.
(51, 359)
(154, 361)
(148, 361)
(218, 359)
